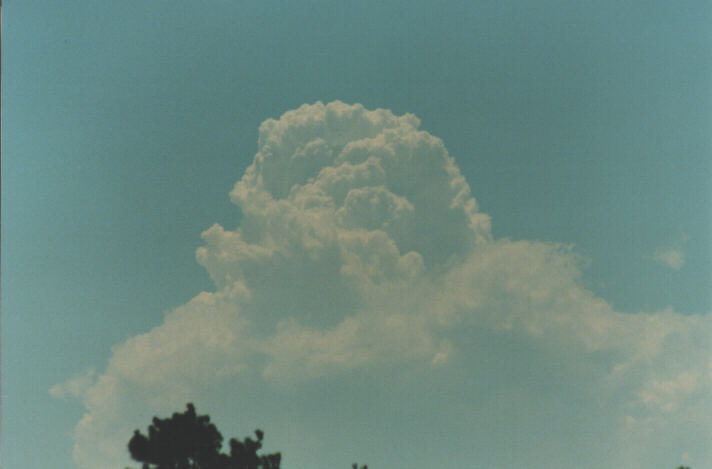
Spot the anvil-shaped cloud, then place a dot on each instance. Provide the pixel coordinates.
(360, 245)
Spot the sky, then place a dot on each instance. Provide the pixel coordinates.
(408, 234)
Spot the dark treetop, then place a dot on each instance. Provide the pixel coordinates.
(190, 441)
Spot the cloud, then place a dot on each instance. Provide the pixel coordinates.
(665, 394)
(673, 257)
(361, 247)
(75, 387)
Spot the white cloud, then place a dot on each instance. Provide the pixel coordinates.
(360, 246)
(75, 387)
(665, 394)
(671, 256)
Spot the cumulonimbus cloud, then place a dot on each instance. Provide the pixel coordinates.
(361, 245)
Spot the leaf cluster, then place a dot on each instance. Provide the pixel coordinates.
(189, 441)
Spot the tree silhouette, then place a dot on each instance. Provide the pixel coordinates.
(190, 441)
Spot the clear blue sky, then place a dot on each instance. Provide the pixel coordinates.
(126, 125)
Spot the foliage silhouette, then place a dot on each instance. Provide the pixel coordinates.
(190, 441)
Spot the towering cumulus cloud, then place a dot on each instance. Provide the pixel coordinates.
(360, 246)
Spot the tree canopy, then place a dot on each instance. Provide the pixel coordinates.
(189, 441)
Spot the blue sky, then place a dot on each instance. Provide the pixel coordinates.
(127, 124)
